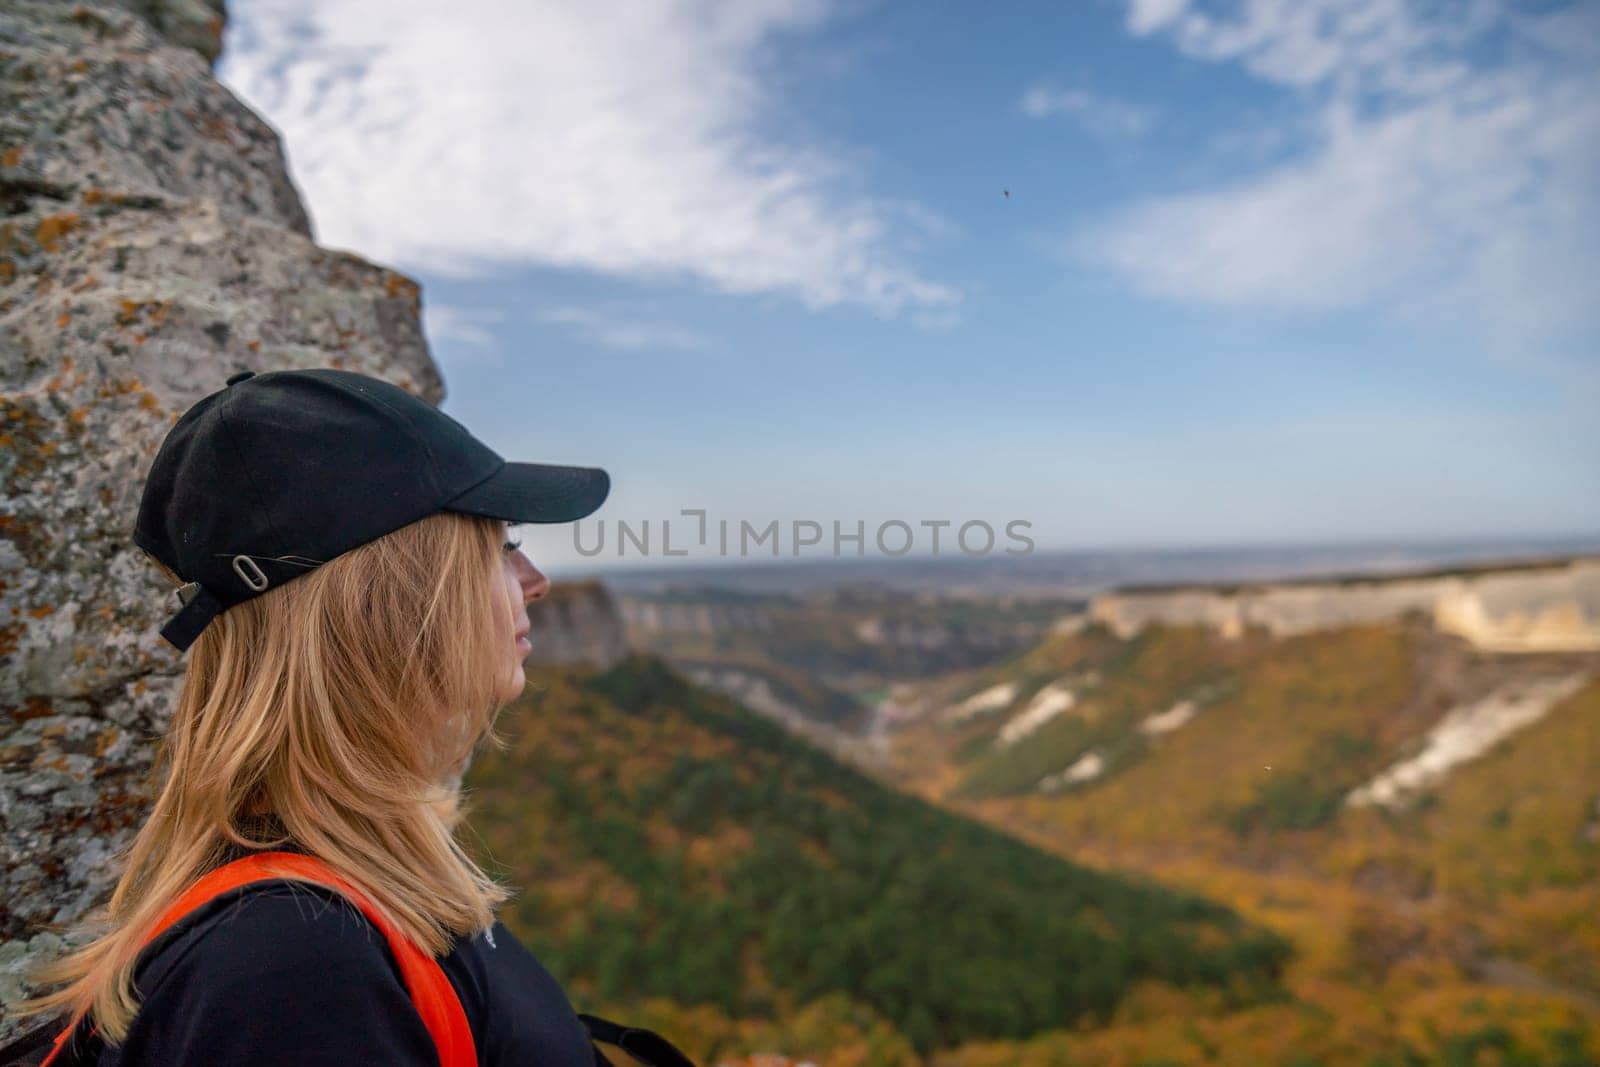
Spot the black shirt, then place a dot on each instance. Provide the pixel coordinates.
(289, 972)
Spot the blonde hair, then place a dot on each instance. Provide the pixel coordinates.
(345, 704)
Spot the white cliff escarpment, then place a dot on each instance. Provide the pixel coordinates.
(1552, 607)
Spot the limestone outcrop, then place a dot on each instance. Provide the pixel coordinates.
(1551, 607)
(577, 624)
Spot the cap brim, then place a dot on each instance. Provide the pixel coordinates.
(536, 492)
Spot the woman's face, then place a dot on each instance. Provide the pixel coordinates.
(521, 583)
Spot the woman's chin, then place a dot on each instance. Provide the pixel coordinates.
(514, 686)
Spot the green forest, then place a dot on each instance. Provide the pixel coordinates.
(668, 843)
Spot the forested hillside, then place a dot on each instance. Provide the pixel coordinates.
(684, 858)
(1421, 819)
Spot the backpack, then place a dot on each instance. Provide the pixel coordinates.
(431, 992)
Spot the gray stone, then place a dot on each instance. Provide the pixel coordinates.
(151, 244)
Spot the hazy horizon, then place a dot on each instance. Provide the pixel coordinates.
(1050, 572)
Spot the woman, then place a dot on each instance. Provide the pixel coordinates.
(357, 617)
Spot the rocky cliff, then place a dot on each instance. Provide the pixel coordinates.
(151, 244)
(577, 624)
(1547, 607)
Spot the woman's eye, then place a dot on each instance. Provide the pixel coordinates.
(512, 546)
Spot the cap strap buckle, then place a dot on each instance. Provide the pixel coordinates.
(255, 579)
(199, 608)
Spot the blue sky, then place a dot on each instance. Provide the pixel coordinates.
(1288, 270)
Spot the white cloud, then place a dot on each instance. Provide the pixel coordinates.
(633, 141)
(467, 326)
(1147, 15)
(1451, 177)
(1102, 116)
(617, 331)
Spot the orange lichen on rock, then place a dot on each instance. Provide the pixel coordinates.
(107, 738)
(93, 196)
(216, 127)
(399, 285)
(59, 381)
(54, 227)
(34, 707)
(150, 314)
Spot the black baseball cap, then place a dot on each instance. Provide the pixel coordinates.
(278, 473)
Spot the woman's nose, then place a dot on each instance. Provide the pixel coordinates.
(534, 584)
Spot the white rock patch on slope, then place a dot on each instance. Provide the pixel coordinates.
(1466, 733)
(1087, 768)
(1046, 704)
(991, 699)
(1164, 722)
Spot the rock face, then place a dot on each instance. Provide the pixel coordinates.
(650, 616)
(758, 692)
(577, 623)
(1547, 608)
(151, 244)
(1543, 611)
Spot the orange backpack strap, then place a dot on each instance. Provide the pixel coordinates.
(431, 992)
